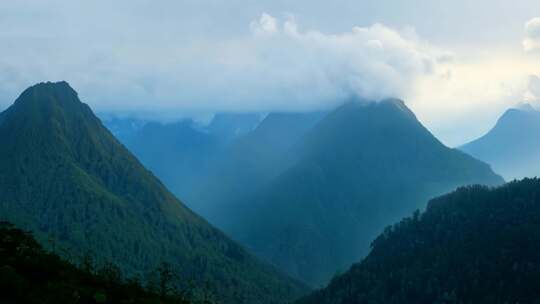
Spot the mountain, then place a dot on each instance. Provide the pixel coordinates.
(175, 152)
(67, 179)
(363, 166)
(475, 245)
(232, 155)
(123, 128)
(247, 163)
(512, 146)
(228, 126)
(179, 152)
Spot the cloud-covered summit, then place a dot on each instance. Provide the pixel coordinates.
(371, 62)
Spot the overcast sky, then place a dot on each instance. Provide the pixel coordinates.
(458, 64)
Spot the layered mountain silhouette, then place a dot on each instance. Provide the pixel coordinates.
(229, 126)
(362, 167)
(66, 178)
(175, 152)
(181, 153)
(475, 245)
(248, 163)
(512, 146)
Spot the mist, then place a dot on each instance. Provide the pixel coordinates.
(193, 59)
(277, 66)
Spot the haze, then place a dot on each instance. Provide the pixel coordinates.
(457, 64)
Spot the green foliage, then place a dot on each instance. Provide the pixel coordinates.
(475, 245)
(67, 179)
(28, 274)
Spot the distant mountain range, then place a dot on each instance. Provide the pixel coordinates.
(360, 168)
(180, 152)
(248, 163)
(309, 191)
(512, 146)
(475, 245)
(233, 153)
(67, 179)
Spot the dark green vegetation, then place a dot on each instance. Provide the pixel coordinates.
(65, 177)
(475, 245)
(361, 168)
(29, 274)
(512, 147)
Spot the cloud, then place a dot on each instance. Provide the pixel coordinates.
(464, 97)
(265, 25)
(532, 35)
(196, 56)
(276, 66)
(532, 94)
(298, 66)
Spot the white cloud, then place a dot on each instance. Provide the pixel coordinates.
(532, 35)
(532, 95)
(278, 66)
(183, 57)
(265, 25)
(370, 62)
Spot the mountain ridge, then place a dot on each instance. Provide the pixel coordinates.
(363, 166)
(474, 245)
(63, 174)
(512, 146)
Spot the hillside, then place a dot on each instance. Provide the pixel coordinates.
(247, 163)
(29, 274)
(66, 178)
(512, 146)
(175, 152)
(475, 245)
(180, 153)
(362, 167)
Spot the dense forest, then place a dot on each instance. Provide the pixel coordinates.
(30, 274)
(475, 245)
(64, 177)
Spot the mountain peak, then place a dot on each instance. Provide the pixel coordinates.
(49, 88)
(63, 175)
(512, 145)
(386, 112)
(520, 115)
(525, 106)
(46, 96)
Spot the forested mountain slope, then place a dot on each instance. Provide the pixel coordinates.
(475, 245)
(65, 177)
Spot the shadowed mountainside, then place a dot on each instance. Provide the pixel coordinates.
(475, 245)
(362, 167)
